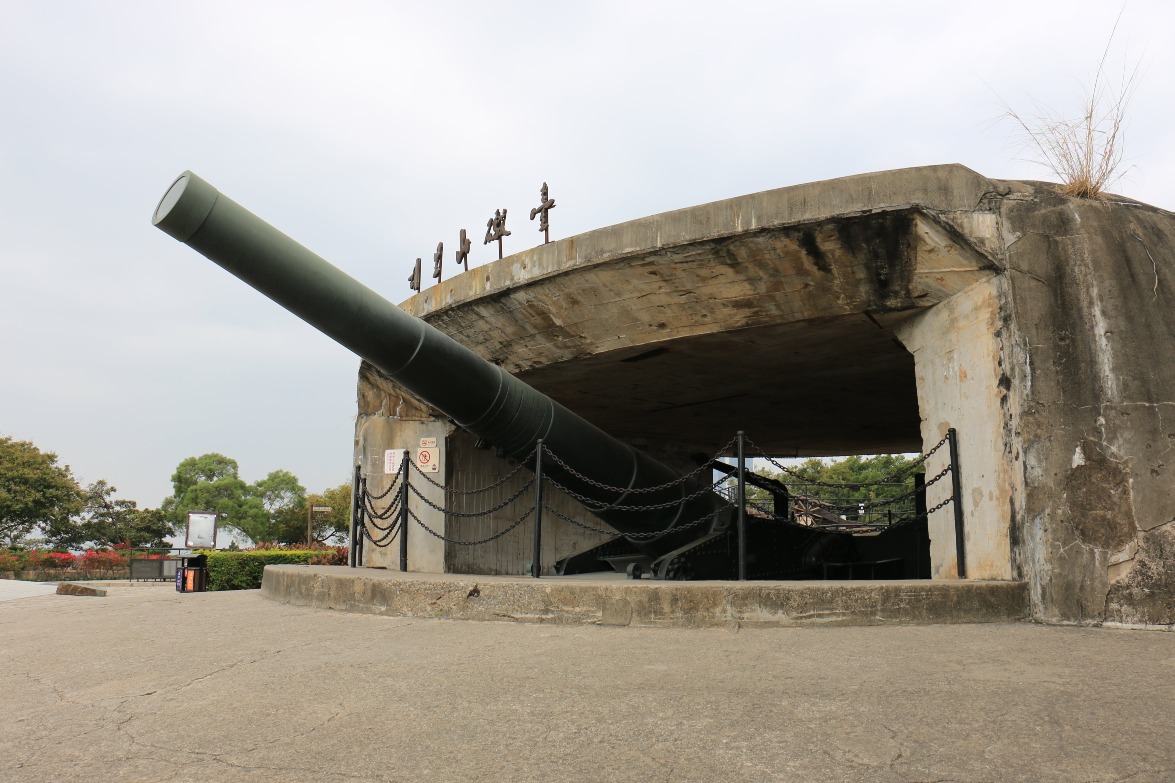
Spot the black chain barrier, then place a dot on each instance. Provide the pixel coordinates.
(368, 514)
(848, 525)
(638, 536)
(593, 506)
(866, 505)
(901, 472)
(387, 513)
(468, 514)
(383, 494)
(806, 511)
(640, 490)
(480, 490)
(459, 542)
(386, 539)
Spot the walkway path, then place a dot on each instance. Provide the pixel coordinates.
(12, 589)
(149, 684)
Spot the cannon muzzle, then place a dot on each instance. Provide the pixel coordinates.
(476, 394)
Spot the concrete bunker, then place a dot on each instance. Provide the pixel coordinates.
(863, 315)
(1040, 328)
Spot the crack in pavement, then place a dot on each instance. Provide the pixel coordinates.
(59, 693)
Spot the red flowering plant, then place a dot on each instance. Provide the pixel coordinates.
(335, 555)
(102, 560)
(10, 561)
(34, 560)
(60, 560)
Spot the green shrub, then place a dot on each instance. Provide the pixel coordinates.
(243, 570)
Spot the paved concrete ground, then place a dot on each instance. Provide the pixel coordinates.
(148, 684)
(12, 589)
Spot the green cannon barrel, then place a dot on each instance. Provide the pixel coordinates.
(478, 395)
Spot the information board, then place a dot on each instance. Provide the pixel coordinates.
(201, 530)
(392, 460)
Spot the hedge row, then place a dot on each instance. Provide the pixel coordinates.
(228, 570)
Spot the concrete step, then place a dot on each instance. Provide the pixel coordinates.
(610, 599)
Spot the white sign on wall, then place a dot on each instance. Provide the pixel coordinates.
(427, 456)
(426, 459)
(393, 458)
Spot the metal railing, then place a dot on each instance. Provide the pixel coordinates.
(795, 500)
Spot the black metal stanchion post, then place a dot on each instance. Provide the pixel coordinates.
(361, 534)
(356, 503)
(957, 502)
(405, 472)
(922, 571)
(537, 549)
(742, 509)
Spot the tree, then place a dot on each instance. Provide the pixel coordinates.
(272, 509)
(205, 469)
(876, 469)
(335, 524)
(888, 475)
(107, 521)
(284, 502)
(211, 482)
(34, 490)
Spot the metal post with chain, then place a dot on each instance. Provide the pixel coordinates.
(836, 518)
(537, 549)
(742, 508)
(957, 494)
(405, 470)
(356, 504)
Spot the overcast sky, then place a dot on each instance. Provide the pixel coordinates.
(370, 131)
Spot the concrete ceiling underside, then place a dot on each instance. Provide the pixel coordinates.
(829, 386)
(770, 313)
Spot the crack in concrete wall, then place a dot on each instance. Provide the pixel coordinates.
(1091, 315)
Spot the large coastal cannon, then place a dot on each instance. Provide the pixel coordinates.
(477, 395)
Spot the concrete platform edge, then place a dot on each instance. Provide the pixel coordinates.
(645, 603)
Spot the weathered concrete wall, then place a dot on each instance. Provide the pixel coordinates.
(949, 189)
(645, 602)
(1092, 330)
(1040, 327)
(677, 313)
(1058, 374)
(957, 356)
(472, 469)
(390, 420)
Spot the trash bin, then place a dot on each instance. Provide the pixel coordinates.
(192, 574)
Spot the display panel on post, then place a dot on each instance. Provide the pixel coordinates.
(201, 532)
